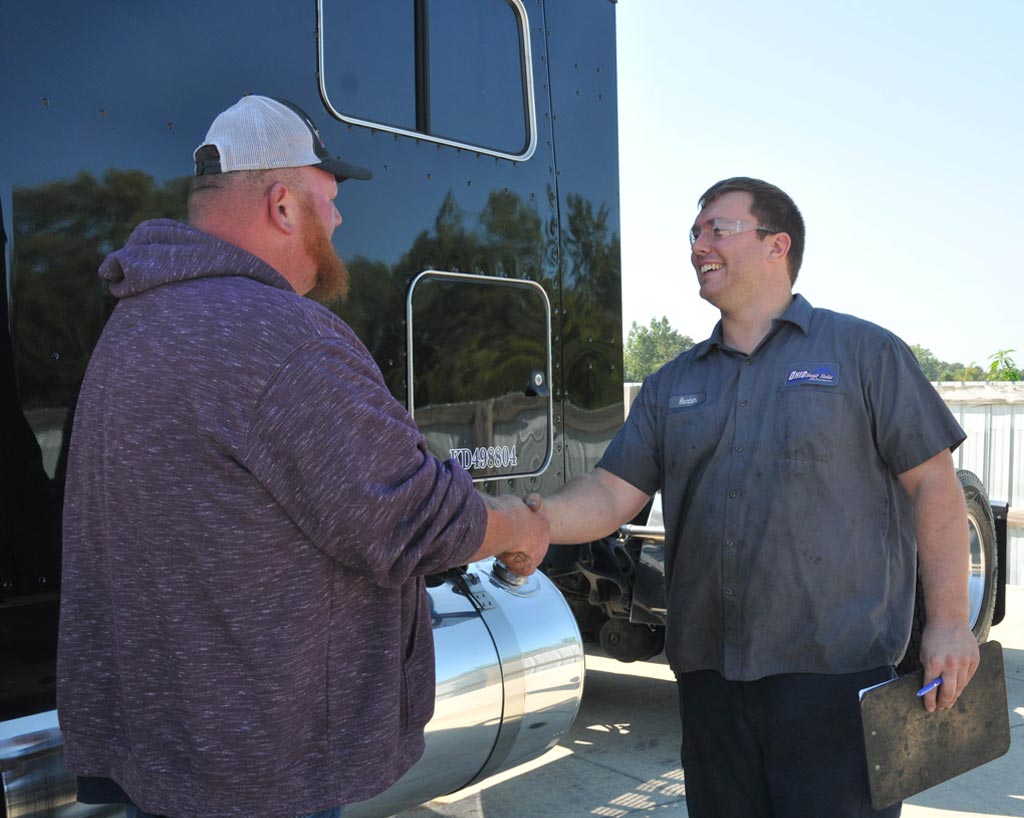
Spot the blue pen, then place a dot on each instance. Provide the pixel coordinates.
(928, 688)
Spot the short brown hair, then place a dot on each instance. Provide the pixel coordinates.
(254, 182)
(772, 207)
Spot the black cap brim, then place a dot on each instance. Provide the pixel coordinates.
(344, 170)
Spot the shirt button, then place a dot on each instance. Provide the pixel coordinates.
(732, 494)
(730, 543)
(743, 403)
(739, 448)
(748, 362)
(730, 592)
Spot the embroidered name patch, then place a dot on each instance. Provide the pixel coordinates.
(817, 374)
(686, 401)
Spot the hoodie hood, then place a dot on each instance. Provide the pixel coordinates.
(163, 251)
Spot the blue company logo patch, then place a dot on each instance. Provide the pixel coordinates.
(817, 374)
(686, 401)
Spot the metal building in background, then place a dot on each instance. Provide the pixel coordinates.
(992, 414)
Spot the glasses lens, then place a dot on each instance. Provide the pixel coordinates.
(694, 235)
(723, 228)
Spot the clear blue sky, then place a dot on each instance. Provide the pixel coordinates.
(898, 128)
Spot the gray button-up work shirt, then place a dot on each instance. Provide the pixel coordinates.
(790, 540)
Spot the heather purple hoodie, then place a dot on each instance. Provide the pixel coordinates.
(244, 630)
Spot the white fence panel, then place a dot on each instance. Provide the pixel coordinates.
(992, 414)
(1000, 452)
(1015, 555)
(971, 454)
(1017, 453)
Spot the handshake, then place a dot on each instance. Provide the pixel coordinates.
(518, 532)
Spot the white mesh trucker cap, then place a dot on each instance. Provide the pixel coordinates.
(261, 133)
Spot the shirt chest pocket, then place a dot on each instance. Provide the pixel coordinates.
(692, 433)
(809, 424)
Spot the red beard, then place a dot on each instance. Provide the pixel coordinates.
(331, 274)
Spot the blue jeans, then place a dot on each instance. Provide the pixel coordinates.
(132, 811)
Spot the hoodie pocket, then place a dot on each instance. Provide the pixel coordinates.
(418, 665)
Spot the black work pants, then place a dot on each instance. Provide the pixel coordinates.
(787, 746)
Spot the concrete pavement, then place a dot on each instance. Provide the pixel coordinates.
(621, 758)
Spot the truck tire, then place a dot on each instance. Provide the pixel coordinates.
(982, 577)
(631, 641)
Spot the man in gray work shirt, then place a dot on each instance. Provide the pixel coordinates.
(805, 466)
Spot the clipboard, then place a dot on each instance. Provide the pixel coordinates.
(909, 749)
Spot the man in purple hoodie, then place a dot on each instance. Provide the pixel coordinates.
(244, 628)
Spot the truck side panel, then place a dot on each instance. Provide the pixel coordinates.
(104, 106)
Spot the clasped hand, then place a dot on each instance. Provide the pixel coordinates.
(530, 537)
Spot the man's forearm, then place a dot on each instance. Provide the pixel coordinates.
(949, 650)
(591, 506)
(940, 522)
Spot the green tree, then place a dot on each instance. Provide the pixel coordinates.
(959, 372)
(936, 370)
(931, 365)
(650, 347)
(1003, 367)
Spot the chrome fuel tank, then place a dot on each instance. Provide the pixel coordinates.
(509, 666)
(509, 683)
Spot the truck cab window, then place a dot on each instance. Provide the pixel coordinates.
(454, 71)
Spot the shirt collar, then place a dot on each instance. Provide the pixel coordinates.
(798, 313)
